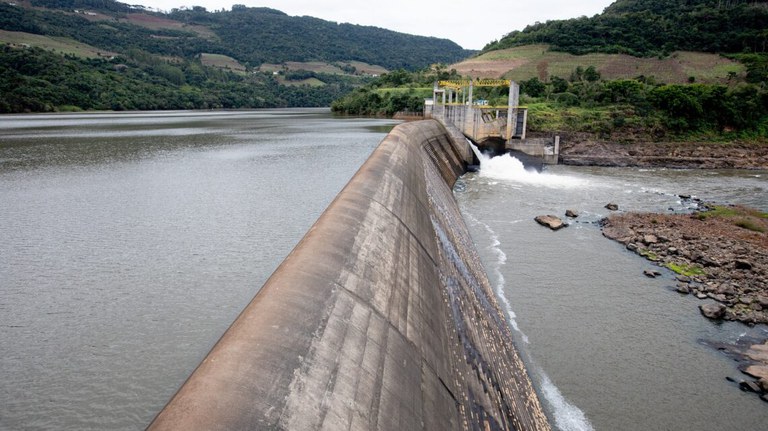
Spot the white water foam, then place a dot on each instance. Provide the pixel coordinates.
(567, 416)
(510, 169)
(501, 259)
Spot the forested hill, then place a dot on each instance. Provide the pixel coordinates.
(250, 35)
(655, 28)
(258, 35)
(101, 54)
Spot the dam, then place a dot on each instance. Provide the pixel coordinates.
(381, 318)
(496, 128)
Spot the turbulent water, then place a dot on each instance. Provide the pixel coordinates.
(609, 348)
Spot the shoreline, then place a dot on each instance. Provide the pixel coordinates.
(720, 255)
(581, 149)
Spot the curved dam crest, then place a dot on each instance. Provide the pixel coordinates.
(381, 318)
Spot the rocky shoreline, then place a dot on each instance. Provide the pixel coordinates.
(720, 255)
(585, 150)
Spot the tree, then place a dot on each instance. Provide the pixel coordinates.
(533, 87)
(559, 85)
(591, 74)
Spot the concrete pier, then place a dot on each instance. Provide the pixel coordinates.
(381, 318)
(487, 125)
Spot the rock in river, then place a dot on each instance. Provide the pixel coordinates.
(652, 273)
(550, 221)
(712, 310)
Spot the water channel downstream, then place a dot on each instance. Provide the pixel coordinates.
(132, 240)
(610, 348)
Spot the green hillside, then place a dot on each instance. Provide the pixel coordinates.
(250, 35)
(645, 28)
(103, 54)
(539, 61)
(644, 70)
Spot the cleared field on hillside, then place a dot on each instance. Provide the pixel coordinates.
(312, 82)
(530, 61)
(61, 45)
(222, 62)
(367, 69)
(322, 67)
(153, 22)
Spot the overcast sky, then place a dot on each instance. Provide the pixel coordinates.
(470, 23)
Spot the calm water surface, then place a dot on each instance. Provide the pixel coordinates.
(130, 242)
(610, 348)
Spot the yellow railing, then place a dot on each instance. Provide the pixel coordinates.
(478, 83)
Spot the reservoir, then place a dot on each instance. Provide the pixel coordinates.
(132, 240)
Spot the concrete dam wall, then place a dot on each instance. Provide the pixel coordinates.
(381, 318)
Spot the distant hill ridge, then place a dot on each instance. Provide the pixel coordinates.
(645, 28)
(250, 35)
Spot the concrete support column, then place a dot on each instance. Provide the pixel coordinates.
(525, 123)
(510, 114)
(470, 91)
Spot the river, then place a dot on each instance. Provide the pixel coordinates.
(610, 348)
(132, 240)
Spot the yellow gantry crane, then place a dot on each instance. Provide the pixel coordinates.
(458, 85)
(453, 101)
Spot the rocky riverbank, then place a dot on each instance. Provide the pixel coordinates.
(720, 255)
(586, 150)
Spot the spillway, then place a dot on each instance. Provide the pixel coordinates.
(381, 318)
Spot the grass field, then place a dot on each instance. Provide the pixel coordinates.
(367, 69)
(530, 61)
(153, 22)
(58, 44)
(322, 67)
(222, 62)
(312, 82)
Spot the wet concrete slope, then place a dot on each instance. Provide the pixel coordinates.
(381, 318)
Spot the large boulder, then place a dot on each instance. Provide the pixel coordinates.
(550, 221)
(650, 239)
(713, 310)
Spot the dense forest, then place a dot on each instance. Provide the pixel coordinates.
(152, 60)
(250, 35)
(583, 102)
(242, 30)
(655, 27)
(38, 80)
